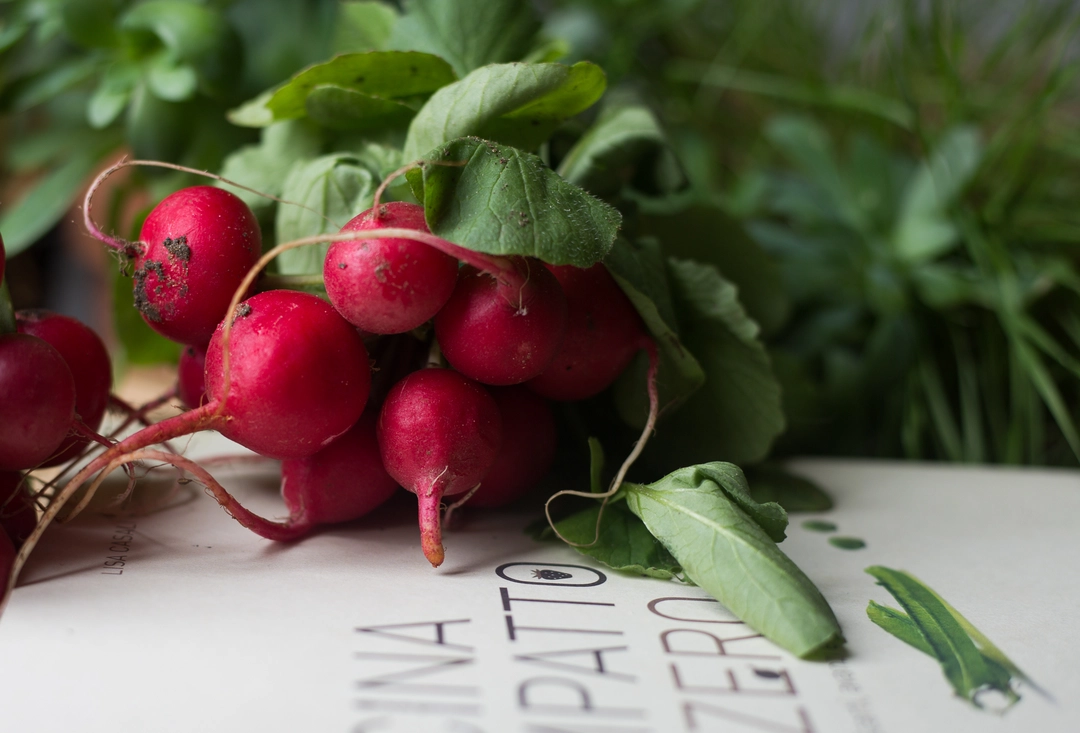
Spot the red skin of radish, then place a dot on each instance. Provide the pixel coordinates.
(388, 286)
(86, 357)
(500, 333)
(195, 248)
(190, 383)
(342, 482)
(603, 333)
(299, 375)
(37, 401)
(298, 378)
(17, 515)
(528, 447)
(439, 433)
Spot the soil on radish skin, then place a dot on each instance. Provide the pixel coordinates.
(142, 300)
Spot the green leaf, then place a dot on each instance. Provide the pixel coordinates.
(254, 112)
(708, 234)
(112, 94)
(467, 33)
(809, 148)
(832, 95)
(624, 541)
(55, 80)
(12, 30)
(363, 26)
(157, 129)
(504, 201)
(91, 23)
(722, 549)
(640, 273)
(795, 493)
(197, 35)
(265, 166)
(516, 104)
(375, 76)
(344, 109)
(351, 90)
(964, 666)
(624, 147)
(27, 219)
(337, 187)
(737, 414)
(923, 230)
(171, 80)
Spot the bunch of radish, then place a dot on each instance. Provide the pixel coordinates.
(55, 382)
(288, 375)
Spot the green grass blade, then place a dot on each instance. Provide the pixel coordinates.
(837, 97)
(972, 432)
(1044, 385)
(941, 417)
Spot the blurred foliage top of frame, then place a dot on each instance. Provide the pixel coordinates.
(890, 184)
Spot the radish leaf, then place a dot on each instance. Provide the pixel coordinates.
(724, 542)
(624, 542)
(517, 104)
(499, 200)
(737, 413)
(337, 186)
(375, 78)
(467, 33)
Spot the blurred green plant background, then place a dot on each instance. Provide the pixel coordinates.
(893, 185)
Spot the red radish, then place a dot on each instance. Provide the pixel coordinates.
(195, 248)
(295, 376)
(388, 285)
(501, 332)
(17, 515)
(190, 384)
(438, 434)
(528, 447)
(86, 357)
(342, 482)
(299, 375)
(603, 333)
(37, 401)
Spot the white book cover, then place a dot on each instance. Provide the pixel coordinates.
(181, 620)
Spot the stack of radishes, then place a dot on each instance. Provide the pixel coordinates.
(55, 379)
(288, 375)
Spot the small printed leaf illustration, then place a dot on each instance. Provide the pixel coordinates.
(947, 636)
(899, 625)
